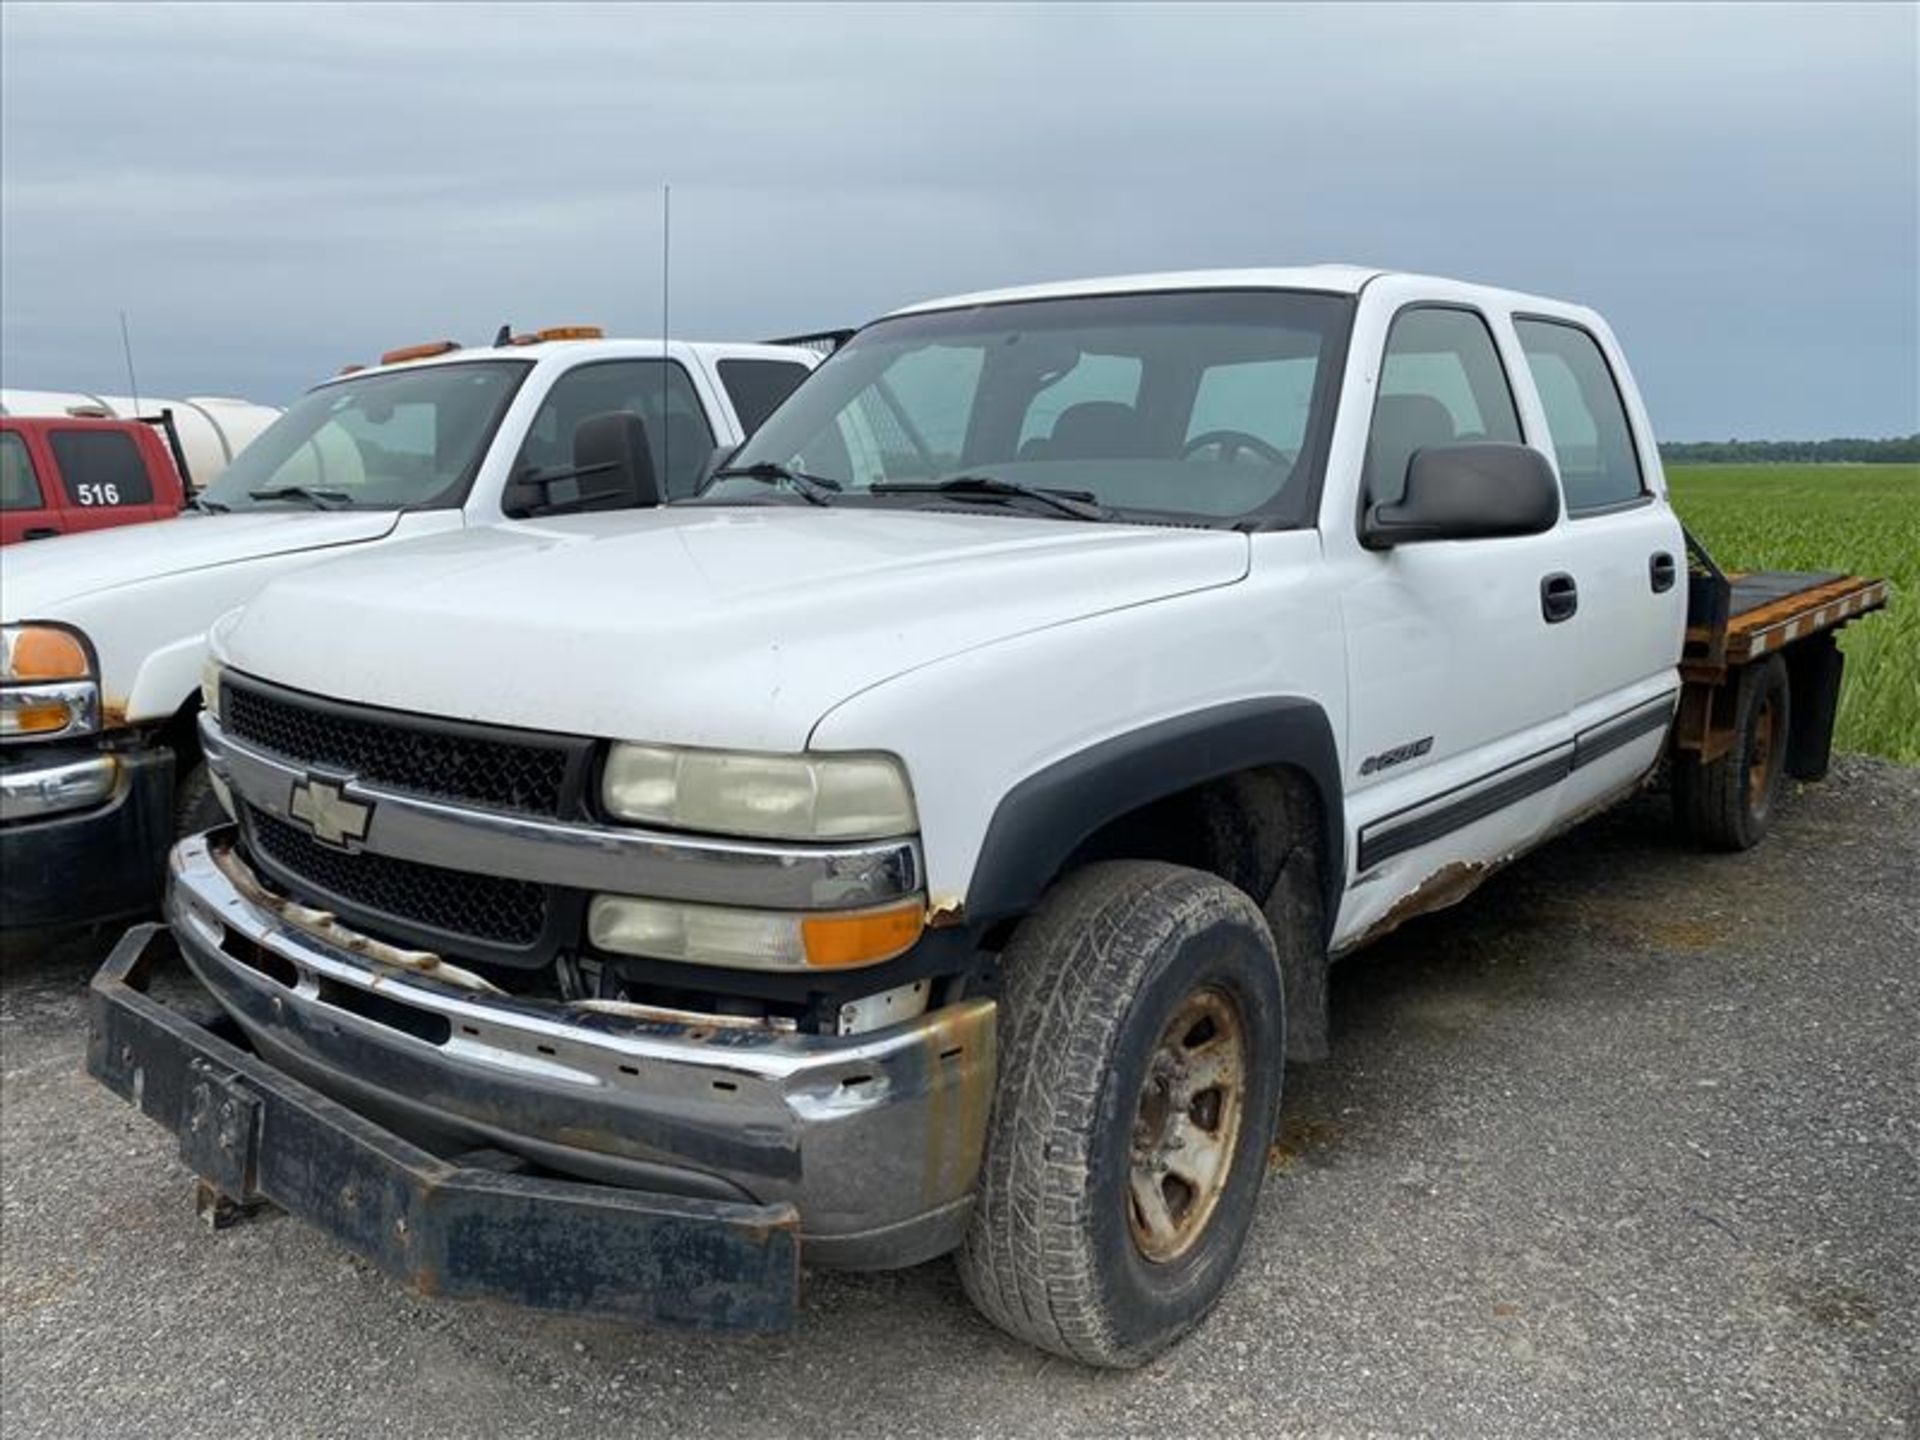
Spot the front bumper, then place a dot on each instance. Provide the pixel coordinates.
(465, 1232)
(97, 863)
(874, 1140)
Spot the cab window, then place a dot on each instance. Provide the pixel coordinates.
(678, 437)
(19, 485)
(101, 468)
(1592, 441)
(756, 387)
(1441, 383)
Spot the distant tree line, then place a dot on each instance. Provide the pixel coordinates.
(1898, 448)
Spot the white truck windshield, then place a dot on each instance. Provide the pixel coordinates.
(1206, 405)
(399, 438)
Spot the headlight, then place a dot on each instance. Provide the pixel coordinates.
(210, 686)
(753, 939)
(773, 797)
(47, 684)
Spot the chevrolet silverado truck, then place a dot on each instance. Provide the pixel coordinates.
(103, 635)
(934, 835)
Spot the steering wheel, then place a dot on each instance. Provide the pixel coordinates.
(1231, 443)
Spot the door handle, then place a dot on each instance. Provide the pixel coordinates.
(40, 532)
(1661, 572)
(1559, 597)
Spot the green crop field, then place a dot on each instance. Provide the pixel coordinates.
(1864, 519)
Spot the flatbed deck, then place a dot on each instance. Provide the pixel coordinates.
(1769, 609)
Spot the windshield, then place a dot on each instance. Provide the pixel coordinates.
(400, 438)
(1201, 405)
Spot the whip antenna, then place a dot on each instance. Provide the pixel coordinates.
(666, 275)
(126, 348)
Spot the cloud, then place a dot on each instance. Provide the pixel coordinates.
(271, 191)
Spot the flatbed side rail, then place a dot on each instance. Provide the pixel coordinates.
(443, 1228)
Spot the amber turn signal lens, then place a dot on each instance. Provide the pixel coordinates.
(838, 942)
(47, 719)
(39, 652)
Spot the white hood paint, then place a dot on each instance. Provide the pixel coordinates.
(145, 594)
(36, 579)
(699, 625)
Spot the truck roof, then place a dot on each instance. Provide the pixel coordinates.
(603, 349)
(1335, 279)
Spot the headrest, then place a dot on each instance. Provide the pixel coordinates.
(1095, 430)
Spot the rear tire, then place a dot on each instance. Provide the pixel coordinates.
(1142, 1036)
(1728, 804)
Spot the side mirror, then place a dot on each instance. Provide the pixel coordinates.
(612, 470)
(1475, 491)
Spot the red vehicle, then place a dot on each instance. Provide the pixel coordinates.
(61, 475)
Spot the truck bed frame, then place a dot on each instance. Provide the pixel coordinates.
(1737, 620)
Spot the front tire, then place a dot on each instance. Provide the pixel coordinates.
(1142, 1039)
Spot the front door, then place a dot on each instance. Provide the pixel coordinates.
(1458, 732)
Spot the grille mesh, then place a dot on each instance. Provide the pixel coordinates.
(501, 774)
(485, 907)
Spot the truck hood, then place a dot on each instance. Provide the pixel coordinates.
(41, 577)
(701, 625)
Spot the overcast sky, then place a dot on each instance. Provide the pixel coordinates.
(271, 192)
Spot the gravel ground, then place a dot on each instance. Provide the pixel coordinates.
(1628, 1144)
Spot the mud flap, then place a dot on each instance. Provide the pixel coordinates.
(1292, 909)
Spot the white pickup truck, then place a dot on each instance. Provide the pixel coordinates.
(934, 835)
(103, 633)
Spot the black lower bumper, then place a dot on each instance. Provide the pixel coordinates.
(104, 863)
(438, 1226)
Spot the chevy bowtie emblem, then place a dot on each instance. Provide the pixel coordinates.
(332, 817)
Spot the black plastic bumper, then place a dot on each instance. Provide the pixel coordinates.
(106, 863)
(439, 1227)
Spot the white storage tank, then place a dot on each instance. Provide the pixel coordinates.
(213, 428)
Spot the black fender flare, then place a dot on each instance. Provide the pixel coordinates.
(1039, 823)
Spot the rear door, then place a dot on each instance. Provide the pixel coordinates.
(1625, 555)
(103, 473)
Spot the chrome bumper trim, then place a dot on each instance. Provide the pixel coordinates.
(623, 860)
(36, 792)
(80, 697)
(865, 1134)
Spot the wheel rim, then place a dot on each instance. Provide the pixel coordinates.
(1187, 1124)
(1760, 764)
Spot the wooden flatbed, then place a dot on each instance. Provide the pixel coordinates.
(1769, 610)
(1734, 622)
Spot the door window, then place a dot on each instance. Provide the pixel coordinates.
(756, 387)
(19, 485)
(658, 391)
(1586, 417)
(1441, 383)
(101, 468)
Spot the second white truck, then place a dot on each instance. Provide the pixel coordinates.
(103, 633)
(933, 836)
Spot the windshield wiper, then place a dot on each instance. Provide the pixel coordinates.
(1081, 504)
(318, 499)
(813, 488)
(210, 507)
